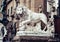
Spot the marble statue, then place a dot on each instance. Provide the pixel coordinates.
(3, 31)
(32, 22)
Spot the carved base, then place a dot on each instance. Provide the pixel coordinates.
(32, 33)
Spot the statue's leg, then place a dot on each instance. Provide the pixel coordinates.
(22, 28)
(46, 28)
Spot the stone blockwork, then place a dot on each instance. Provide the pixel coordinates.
(34, 4)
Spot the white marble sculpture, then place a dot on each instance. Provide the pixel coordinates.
(32, 18)
(5, 31)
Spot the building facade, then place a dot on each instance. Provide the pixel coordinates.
(33, 5)
(1, 7)
(10, 6)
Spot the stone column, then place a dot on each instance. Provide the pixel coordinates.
(27, 3)
(21, 2)
(32, 5)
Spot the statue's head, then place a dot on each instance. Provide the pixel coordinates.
(20, 9)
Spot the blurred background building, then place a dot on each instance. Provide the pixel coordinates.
(7, 6)
(1, 7)
(31, 4)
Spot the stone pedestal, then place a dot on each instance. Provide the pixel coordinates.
(36, 39)
(34, 33)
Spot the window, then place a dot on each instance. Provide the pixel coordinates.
(29, 4)
(8, 11)
(11, 9)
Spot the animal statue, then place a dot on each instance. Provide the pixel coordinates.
(31, 21)
(31, 16)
